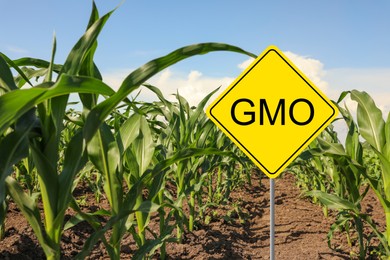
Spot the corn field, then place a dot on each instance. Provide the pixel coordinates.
(158, 158)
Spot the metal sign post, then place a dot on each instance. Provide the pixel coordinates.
(272, 219)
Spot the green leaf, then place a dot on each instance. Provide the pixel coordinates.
(385, 200)
(104, 153)
(17, 102)
(34, 62)
(159, 94)
(342, 219)
(140, 75)
(129, 131)
(50, 69)
(386, 149)
(74, 161)
(7, 82)
(144, 147)
(370, 120)
(381, 236)
(76, 56)
(353, 146)
(333, 201)
(88, 67)
(146, 207)
(180, 155)
(207, 130)
(90, 217)
(342, 96)
(331, 148)
(200, 110)
(151, 245)
(14, 147)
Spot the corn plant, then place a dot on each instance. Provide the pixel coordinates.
(178, 127)
(376, 131)
(187, 127)
(50, 97)
(319, 172)
(355, 172)
(349, 188)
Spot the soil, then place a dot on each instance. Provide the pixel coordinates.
(300, 226)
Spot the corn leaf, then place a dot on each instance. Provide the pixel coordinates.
(16, 67)
(342, 96)
(34, 62)
(7, 82)
(353, 146)
(386, 149)
(207, 129)
(200, 110)
(331, 148)
(144, 146)
(14, 147)
(145, 207)
(17, 102)
(104, 153)
(332, 201)
(84, 216)
(386, 181)
(74, 161)
(180, 155)
(370, 121)
(128, 131)
(159, 94)
(151, 245)
(88, 67)
(49, 74)
(79, 52)
(140, 75)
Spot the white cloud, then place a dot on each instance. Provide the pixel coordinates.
(114, 78)
(245, 64)
(374, 81)
(16, 49)
(193, 86)
(313, 69)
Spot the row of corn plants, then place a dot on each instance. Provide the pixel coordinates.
(134, 149)
(339, 176)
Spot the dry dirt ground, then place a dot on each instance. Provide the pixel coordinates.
(301, 230)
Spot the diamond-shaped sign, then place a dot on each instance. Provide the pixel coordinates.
(272, 111)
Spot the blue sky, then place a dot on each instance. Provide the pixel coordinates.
(338, 33)
(340, 44)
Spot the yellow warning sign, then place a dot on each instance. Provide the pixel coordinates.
(272, 111)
